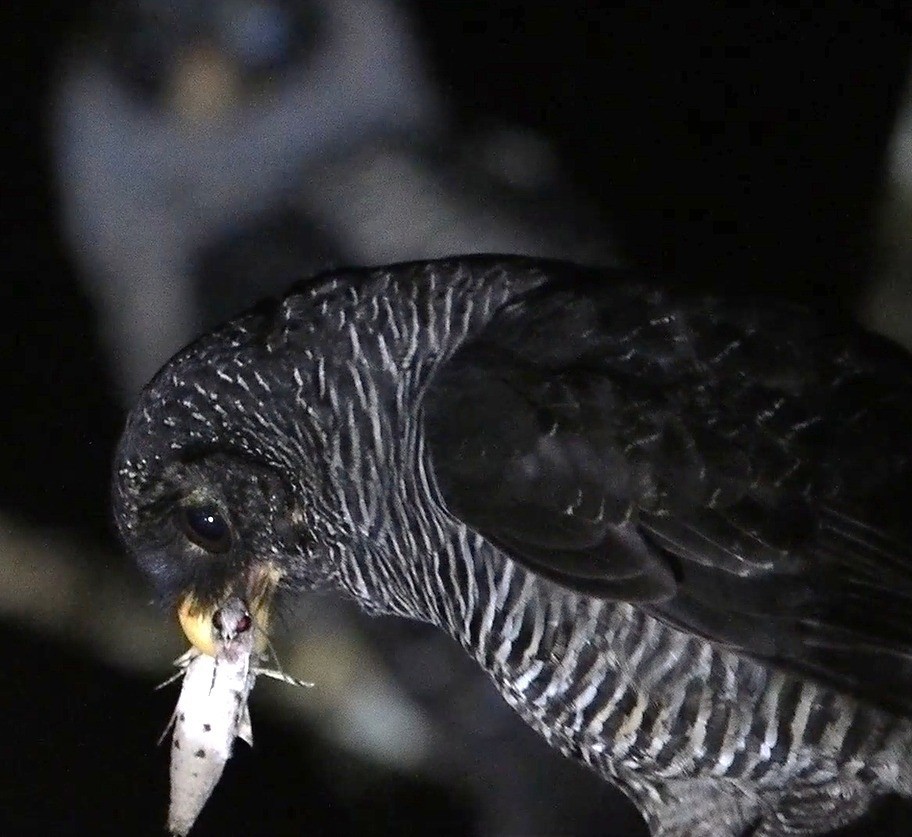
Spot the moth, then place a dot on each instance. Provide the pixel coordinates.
(212, 711)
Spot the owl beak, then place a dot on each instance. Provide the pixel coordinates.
(196, 619)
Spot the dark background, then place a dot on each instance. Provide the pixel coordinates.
(743, 150)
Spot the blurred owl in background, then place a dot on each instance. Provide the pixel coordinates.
(299, 134)
(176, 124)
(887, 307)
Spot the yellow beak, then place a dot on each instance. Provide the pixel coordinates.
(196, 620)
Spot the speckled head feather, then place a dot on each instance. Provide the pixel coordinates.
(275, 393)
(205, 435)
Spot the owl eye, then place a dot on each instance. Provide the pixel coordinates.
(205, 526)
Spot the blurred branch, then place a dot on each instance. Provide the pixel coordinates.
(54, 587)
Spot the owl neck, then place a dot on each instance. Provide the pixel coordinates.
(385, 339)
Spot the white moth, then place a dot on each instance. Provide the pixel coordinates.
(212, 711)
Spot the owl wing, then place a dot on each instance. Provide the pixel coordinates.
(740, 469)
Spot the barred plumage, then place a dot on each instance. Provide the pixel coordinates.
(330, 430)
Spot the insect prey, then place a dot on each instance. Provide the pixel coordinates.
(212, 711)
